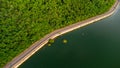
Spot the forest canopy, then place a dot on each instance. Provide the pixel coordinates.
(22, 22)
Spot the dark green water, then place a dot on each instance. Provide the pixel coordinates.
(93, 46)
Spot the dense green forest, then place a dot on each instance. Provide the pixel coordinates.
(22, 22)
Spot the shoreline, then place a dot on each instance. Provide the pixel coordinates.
(22, 57)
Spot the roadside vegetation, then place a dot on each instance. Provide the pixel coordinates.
(50, 42)
(22, 22)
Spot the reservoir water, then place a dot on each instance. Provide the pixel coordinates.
(94, 46)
